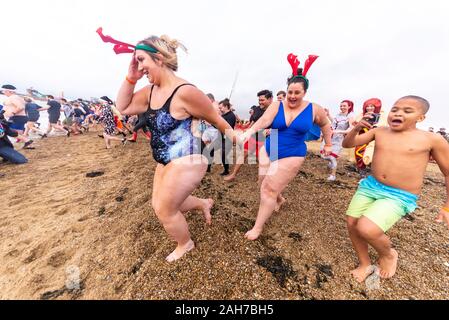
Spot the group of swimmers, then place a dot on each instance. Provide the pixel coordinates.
(398, 162)
(170, 105)
(21, 114)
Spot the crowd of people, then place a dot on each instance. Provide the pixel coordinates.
(186, 128)
(21, 114)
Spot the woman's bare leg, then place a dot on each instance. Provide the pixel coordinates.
(195, 203)
(177, 181)
(280, 173)
(238, 164)
(264, 165)
(108, 138)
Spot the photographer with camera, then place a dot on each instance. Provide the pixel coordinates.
(364, 153)
(7, 151)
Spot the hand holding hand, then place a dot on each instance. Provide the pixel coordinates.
(245, 136)
(267, 132)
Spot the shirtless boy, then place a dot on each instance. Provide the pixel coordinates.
(400, 159)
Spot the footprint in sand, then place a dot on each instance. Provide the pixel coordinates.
(58, 259)
(62, 212)
(15, 202)
(35, 253)
(13, 253)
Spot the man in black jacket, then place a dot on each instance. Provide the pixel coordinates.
(226, 144)
(7, 151)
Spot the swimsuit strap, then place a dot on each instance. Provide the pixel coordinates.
(151, 94)
(168, 102)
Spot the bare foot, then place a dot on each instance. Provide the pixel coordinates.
(253, 234)
(180, 251)
(388, 264)
(229, 178)
(362, 272)
(208, 204)
(279, 204)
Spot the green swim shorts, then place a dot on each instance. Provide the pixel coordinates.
(383, 205)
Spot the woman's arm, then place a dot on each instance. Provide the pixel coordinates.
(353, 138)
(321, 119)
(265, 120)
(128, 102)
(199, 106)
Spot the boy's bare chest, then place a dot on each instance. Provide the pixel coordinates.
(405, 145)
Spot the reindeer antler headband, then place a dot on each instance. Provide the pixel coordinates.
(122, 47)
(294, 63)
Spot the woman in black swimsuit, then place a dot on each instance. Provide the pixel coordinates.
(172, 105)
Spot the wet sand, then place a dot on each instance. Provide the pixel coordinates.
(64, 235)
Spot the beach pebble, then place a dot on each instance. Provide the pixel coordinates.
(446, 264)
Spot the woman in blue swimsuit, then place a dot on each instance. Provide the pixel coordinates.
(284, 151)
(171, 105)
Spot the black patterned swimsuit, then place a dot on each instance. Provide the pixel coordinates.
(170, 138)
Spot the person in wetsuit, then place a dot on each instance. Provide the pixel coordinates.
(172, 105)
(141, 125)
(284, 151)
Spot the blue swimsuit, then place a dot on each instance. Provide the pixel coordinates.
(170, 138)
(289, 141)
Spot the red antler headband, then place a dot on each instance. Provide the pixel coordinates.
(310, 60)
(294, 63)
(122, 47)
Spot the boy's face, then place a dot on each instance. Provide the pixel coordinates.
(405, 114)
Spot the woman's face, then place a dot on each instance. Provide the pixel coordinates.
(295, 94)
(149, 67)
(344, 107)
(370, 108)
(222, 108)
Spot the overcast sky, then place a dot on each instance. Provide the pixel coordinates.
(383, 49)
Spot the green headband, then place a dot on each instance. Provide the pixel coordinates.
(145, 48)
(303, 78)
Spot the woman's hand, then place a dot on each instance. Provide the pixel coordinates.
(134, 74)
(245, 136)
(327, 149)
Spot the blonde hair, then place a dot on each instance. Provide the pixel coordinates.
(166, 47)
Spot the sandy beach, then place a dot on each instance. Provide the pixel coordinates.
(65, 235)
